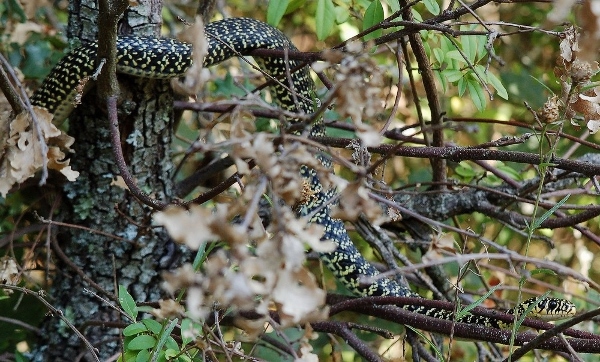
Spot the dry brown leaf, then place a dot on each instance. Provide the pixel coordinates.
(23, 155)
(168, 309)
(441, 245)
(22, 31)
(9, 272)
(354, 201)
(190, 227)
(299, 299)
(359, 85)
(589, 19)
(196, 76)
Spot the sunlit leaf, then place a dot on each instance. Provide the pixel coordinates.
(276, 10)
(325, 18)
(373, 16)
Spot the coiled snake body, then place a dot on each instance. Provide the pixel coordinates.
(166, 58)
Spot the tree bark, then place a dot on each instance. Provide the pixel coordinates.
(94, 201)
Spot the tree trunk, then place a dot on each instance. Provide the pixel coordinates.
(136, 258)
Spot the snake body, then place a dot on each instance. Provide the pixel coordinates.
(166, 58)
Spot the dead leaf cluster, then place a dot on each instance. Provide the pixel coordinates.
(257, 269)
(578, 97)
(359, 89)
(24, 155)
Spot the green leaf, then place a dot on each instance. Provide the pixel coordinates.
(14, 8)
(431, 344)
(164, 336)
(342, 14)
(416, 15)
(171, 343)
(469, 47)
(439, 55)
(135, 328)
(515, 174)
(228, 87)
(187, 328)
(171, 353)
(295, 5)
(497, 84)
(543, 271)
(452, 75)
(547, 214)
(477, 94)
(394, 5)
(19, 357)
(276, 10)
(184, 358)
(463, 312)
(373, 16)
(443, 81)
(432, 6)
(127, 303)
(455, 54)
(462, 86)
(153, 325)
(143, 356)
(325, 18)
(464, 170)
(140, 342)
(145, 309)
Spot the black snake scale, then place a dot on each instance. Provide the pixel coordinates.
(166, 58)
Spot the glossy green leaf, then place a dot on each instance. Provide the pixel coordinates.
(276, 10)
(325, 18)
(373, 16)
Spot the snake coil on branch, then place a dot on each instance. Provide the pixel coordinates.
(167, 58)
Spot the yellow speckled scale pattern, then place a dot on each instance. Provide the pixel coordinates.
(166, 58)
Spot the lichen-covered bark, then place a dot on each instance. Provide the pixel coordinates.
(95, 202)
